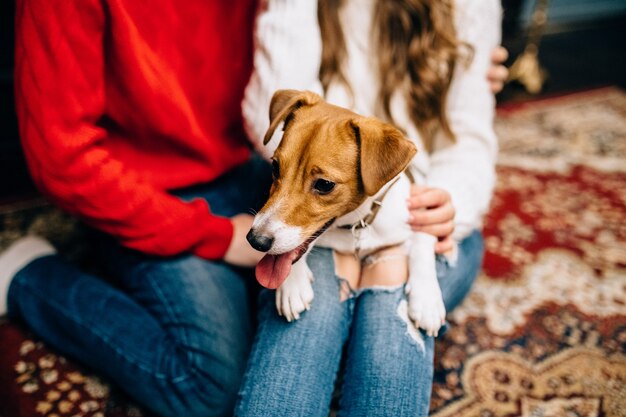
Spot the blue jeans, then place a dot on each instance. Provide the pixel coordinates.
(176, 333)
(387, 368)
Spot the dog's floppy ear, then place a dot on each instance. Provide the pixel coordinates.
(283, 103)
(384, 152)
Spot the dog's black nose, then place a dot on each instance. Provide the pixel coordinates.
(259, 242)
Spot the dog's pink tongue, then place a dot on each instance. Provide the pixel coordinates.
(272, 270)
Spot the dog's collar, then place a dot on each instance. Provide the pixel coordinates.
(375, 207)
(363, 223)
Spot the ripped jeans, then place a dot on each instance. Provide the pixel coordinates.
(387, 366)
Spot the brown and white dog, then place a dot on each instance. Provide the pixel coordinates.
(331, 169)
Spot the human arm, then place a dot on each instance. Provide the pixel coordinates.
(465, 169)
(438, 220)
(61, 103)
(432, 208)
(288, 49)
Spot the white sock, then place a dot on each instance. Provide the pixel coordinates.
(19, 254)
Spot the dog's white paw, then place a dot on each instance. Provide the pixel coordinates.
(426, 308)
(295, 294)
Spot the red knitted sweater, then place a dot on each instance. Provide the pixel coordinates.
(121, 100)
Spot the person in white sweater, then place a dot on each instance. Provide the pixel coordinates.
(422, 65)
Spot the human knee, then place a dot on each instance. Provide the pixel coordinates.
(201, 395)
(389, 359)
(388, 268)
(384, 320)
(217, 388)
(348, 270)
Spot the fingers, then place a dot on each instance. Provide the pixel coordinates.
(444, 246)
(496, 87)
(431, 211)
(497, 75)
(419, 219)
(425, 197)
(499, 55)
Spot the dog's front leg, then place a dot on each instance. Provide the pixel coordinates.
(296, 293)
(425, 302)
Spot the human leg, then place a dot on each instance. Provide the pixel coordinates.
(389, 364)
(176, 335)
(176, 342)
(293, 366)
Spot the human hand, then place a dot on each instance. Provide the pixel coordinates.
(240, 253)
(431, 211)
(498, 73)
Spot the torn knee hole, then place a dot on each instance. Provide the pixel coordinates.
(388, 267)
(348, 270)
(345, 291)
(384, 276)
(411, 331)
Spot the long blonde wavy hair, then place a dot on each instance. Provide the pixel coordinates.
(417, 49)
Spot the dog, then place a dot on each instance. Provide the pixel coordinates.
(338, 181)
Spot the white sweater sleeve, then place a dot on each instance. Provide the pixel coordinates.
(288, 49)
(466, 169)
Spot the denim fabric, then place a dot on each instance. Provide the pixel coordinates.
(388, 367)
(177, 333)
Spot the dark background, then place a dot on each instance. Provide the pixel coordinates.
(583, 47)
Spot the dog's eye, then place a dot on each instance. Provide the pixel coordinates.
(323, 186)
(275, 169)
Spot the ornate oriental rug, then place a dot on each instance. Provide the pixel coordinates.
(543, 332)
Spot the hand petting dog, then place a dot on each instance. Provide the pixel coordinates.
(431, 211)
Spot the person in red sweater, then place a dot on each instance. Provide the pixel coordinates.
(130, 119)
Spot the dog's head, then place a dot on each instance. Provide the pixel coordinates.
(328, 162)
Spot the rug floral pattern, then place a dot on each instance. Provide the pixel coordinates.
(543, 332)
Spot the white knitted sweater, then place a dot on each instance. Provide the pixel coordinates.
(287, 55)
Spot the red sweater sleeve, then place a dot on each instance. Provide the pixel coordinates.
(60, 94)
